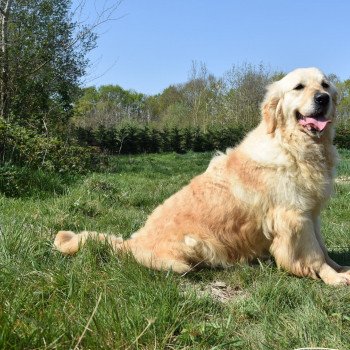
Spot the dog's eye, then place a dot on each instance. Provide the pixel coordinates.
(299, 87)
(325, 85)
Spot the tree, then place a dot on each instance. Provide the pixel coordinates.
(245, 89)
(344, 101)
(200, 92)
(4, 79)
(45, 56)
(42, 59)
(109, 105)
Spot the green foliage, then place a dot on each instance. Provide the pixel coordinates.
(107, 106)
(344, 102)
(204, 102)
(132, 138)
(25, 182)
(45, 59)
(36, 164)
(342, 136)
(21, 146)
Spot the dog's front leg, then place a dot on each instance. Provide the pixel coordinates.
(317, 228)
(330, 262)
(295, 247)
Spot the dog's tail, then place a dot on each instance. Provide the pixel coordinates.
(68, 242)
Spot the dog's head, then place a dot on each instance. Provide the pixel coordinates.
(303, 101)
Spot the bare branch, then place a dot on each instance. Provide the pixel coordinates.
(103, 17)
(103, 73)
(5, 11)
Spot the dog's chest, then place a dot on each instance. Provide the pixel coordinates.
(304, 188)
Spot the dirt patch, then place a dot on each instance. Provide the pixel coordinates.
(217, 290)
(222, 292)
(345, 179)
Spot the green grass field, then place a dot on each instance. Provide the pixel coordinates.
(96, 300)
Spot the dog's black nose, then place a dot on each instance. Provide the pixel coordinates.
(321, 99)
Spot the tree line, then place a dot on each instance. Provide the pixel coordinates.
(203, 102)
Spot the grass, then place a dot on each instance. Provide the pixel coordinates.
(96, 300)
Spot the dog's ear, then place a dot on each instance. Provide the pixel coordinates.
(269, 108)
(269, 114)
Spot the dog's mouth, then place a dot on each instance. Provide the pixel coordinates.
(315, 123)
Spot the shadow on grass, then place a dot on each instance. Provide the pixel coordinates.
(165, 164)
(342, 257)
(22, 182)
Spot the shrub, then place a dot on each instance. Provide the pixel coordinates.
(16, 181)
(22, 147)
(342, 137)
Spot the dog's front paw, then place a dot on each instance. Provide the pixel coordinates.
(339, 279)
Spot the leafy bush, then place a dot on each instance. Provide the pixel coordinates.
(21, 146)
(22, 181)
(342, 137)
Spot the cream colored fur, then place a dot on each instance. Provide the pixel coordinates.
(262, 197)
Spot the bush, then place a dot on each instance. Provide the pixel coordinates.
(342, 137)
(22, 147)
(18, 181)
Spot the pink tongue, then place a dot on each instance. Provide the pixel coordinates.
(318, 124)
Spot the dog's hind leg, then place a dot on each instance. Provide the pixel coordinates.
(164, 256)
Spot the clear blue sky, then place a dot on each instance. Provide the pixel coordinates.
(155, 41)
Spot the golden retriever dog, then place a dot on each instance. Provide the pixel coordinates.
(262, 197)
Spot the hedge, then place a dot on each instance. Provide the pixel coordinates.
(132, 139)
